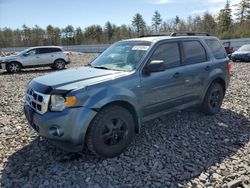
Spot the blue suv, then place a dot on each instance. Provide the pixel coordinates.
(103, 104)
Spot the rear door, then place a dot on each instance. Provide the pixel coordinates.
(197, 66)
(163, 90)
(46, 56)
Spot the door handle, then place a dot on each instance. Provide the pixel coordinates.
(177, 74)
(207, 68)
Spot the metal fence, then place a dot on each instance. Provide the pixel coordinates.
(99, 48)
(236, 43)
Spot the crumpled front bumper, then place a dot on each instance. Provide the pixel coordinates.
(66, 129)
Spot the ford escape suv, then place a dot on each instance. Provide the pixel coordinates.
(41, 56)
(104, 104)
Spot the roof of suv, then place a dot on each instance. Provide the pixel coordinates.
(47, 47)
(154, 39)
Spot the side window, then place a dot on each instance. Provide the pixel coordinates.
(169, 53)
(30, 52)
(45, 50)
(216, 48)
(194, 52)
(55, 50)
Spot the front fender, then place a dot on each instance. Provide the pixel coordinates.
(112, 94)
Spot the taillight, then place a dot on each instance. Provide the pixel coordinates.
(229, 67)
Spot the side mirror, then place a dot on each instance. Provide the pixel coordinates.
(155, 66)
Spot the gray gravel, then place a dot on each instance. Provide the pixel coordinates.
(184, 149)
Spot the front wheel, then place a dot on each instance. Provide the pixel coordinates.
(110, 132)
(213, 99)
(59, 64)
(13, 67)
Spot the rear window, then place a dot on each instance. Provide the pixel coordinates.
(216, 47)
(194, 52)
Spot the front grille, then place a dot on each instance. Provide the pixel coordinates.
(38, 101)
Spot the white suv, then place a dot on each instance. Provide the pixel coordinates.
(52, 56)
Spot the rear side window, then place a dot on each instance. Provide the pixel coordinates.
(216, 48)
(194, 52)
(169, 53)
(48, 50)
(55, 49)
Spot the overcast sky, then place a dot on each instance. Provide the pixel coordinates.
(15, 13)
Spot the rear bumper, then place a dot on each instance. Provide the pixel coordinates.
(66, 129)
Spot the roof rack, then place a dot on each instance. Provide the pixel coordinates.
(174, 34)
(154, 35)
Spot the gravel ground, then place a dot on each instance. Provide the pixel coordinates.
(184, 149)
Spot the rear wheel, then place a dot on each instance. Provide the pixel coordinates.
(59, 64)
(13, 67)
(111, 132)
(213, 99)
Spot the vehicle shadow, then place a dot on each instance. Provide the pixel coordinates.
(174, 148)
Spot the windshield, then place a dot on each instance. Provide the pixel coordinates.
(24, 51)
(244, 48)
(122, 56)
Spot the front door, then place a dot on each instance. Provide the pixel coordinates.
(30, 58)
(163, 90)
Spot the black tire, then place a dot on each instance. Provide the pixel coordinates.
(59, 64)
(110, 132)
(13, 67)
(213, 99)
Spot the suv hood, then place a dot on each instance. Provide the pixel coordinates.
(8, 58)
(63, 81)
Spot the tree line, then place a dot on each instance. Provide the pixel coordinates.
(222, 25)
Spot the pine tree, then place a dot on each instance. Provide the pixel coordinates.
(109, 31)
(139, 24)
(242, 10)
(208, 23)
(78, 36)
(225, 18)
(177, 21)
(156, 21)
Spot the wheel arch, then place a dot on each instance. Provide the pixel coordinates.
(219, 80)
(6, 64)
(59, 59)
(129, 107)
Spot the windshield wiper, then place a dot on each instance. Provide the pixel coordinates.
(100, 67)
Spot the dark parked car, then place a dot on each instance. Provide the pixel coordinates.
(242, 54)
(103, 105)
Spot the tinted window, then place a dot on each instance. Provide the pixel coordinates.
(55, 49)
(48, 50)
(216, 48)
(194, 52)
(169, 53)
